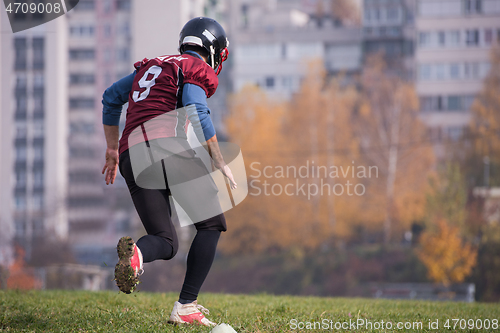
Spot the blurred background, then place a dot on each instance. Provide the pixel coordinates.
(409, 88)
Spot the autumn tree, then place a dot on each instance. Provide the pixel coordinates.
(346, 11)
(268, 218)
(485, 127)
(447, 257)
(393, 138)
(484, 141)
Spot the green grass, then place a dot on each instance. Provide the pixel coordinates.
(80, 311)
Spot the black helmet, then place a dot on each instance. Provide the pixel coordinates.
(207, 33)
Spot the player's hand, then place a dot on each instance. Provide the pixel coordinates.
(227, 172)
(110, 166)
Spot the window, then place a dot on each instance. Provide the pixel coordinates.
(108, 54)
(123, 5)
(392, 14)
(424, 39)
(454, 103)
(82, 177)
(107, 6)
(367, 14)
(38, 99)
(38, 178)
(472, 37)
(244, 16)
(484, 69)
(21, 129)
(473, 6)
(269, 82)
(287, 82)
(38, 53)
(441, 38)
(426, 103)
(38, 152)
(467, 101)
(20, 178)
(125, 29)
(107, 30)
(20, 202)
(82, 30)
(38, 226)
(424, 72)
(471, 70)
(455, 132)
(85, 152)
(82, 54)
(81, 79)
(81, 127)
(81, 103)
(21, 103)
(21, 82)
(37, 201)
(454, 71)
(440, 71)
(453, 38)
(38, 81)
(488, 36)
(123, 54)
(38, 128)
(20, 46)
(20, 225)
(431, 103)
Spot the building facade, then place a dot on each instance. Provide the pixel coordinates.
(454, 39)
(33, 133)
(273, 42)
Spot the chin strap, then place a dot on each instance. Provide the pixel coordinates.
(223, 57)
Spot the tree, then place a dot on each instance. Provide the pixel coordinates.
(393, 138)
(447, 197)
(268, 219)
(448, 259)
(485, 127)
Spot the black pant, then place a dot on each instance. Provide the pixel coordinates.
(161, 241)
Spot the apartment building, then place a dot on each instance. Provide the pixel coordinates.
(99, 53)
(273, 41)
(454, 39)
(389, 28)
(33, 133)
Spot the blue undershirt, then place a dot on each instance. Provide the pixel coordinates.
(117, 94)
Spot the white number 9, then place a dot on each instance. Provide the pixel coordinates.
(137, 96)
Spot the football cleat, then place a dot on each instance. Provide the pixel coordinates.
(129, 266)
(191, 313)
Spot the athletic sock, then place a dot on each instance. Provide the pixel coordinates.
(186, 301)
(200, 258)
(154, 248)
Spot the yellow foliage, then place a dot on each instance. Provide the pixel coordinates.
(327, 123)
(485, 123)
(448, 259)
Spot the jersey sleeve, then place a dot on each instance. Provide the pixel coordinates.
(201, 121)
(203, 76)
(114, 98)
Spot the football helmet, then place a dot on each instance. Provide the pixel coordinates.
(207, 33)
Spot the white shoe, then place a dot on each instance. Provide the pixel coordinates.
(191, 313)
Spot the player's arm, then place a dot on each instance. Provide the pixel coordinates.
(203, 127)
(113, 100)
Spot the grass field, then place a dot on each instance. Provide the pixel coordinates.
(80, 311)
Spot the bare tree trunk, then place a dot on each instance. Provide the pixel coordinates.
(392, 166)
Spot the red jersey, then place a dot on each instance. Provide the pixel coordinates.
(157, 90)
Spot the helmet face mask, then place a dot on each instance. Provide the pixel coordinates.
(208, 34)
